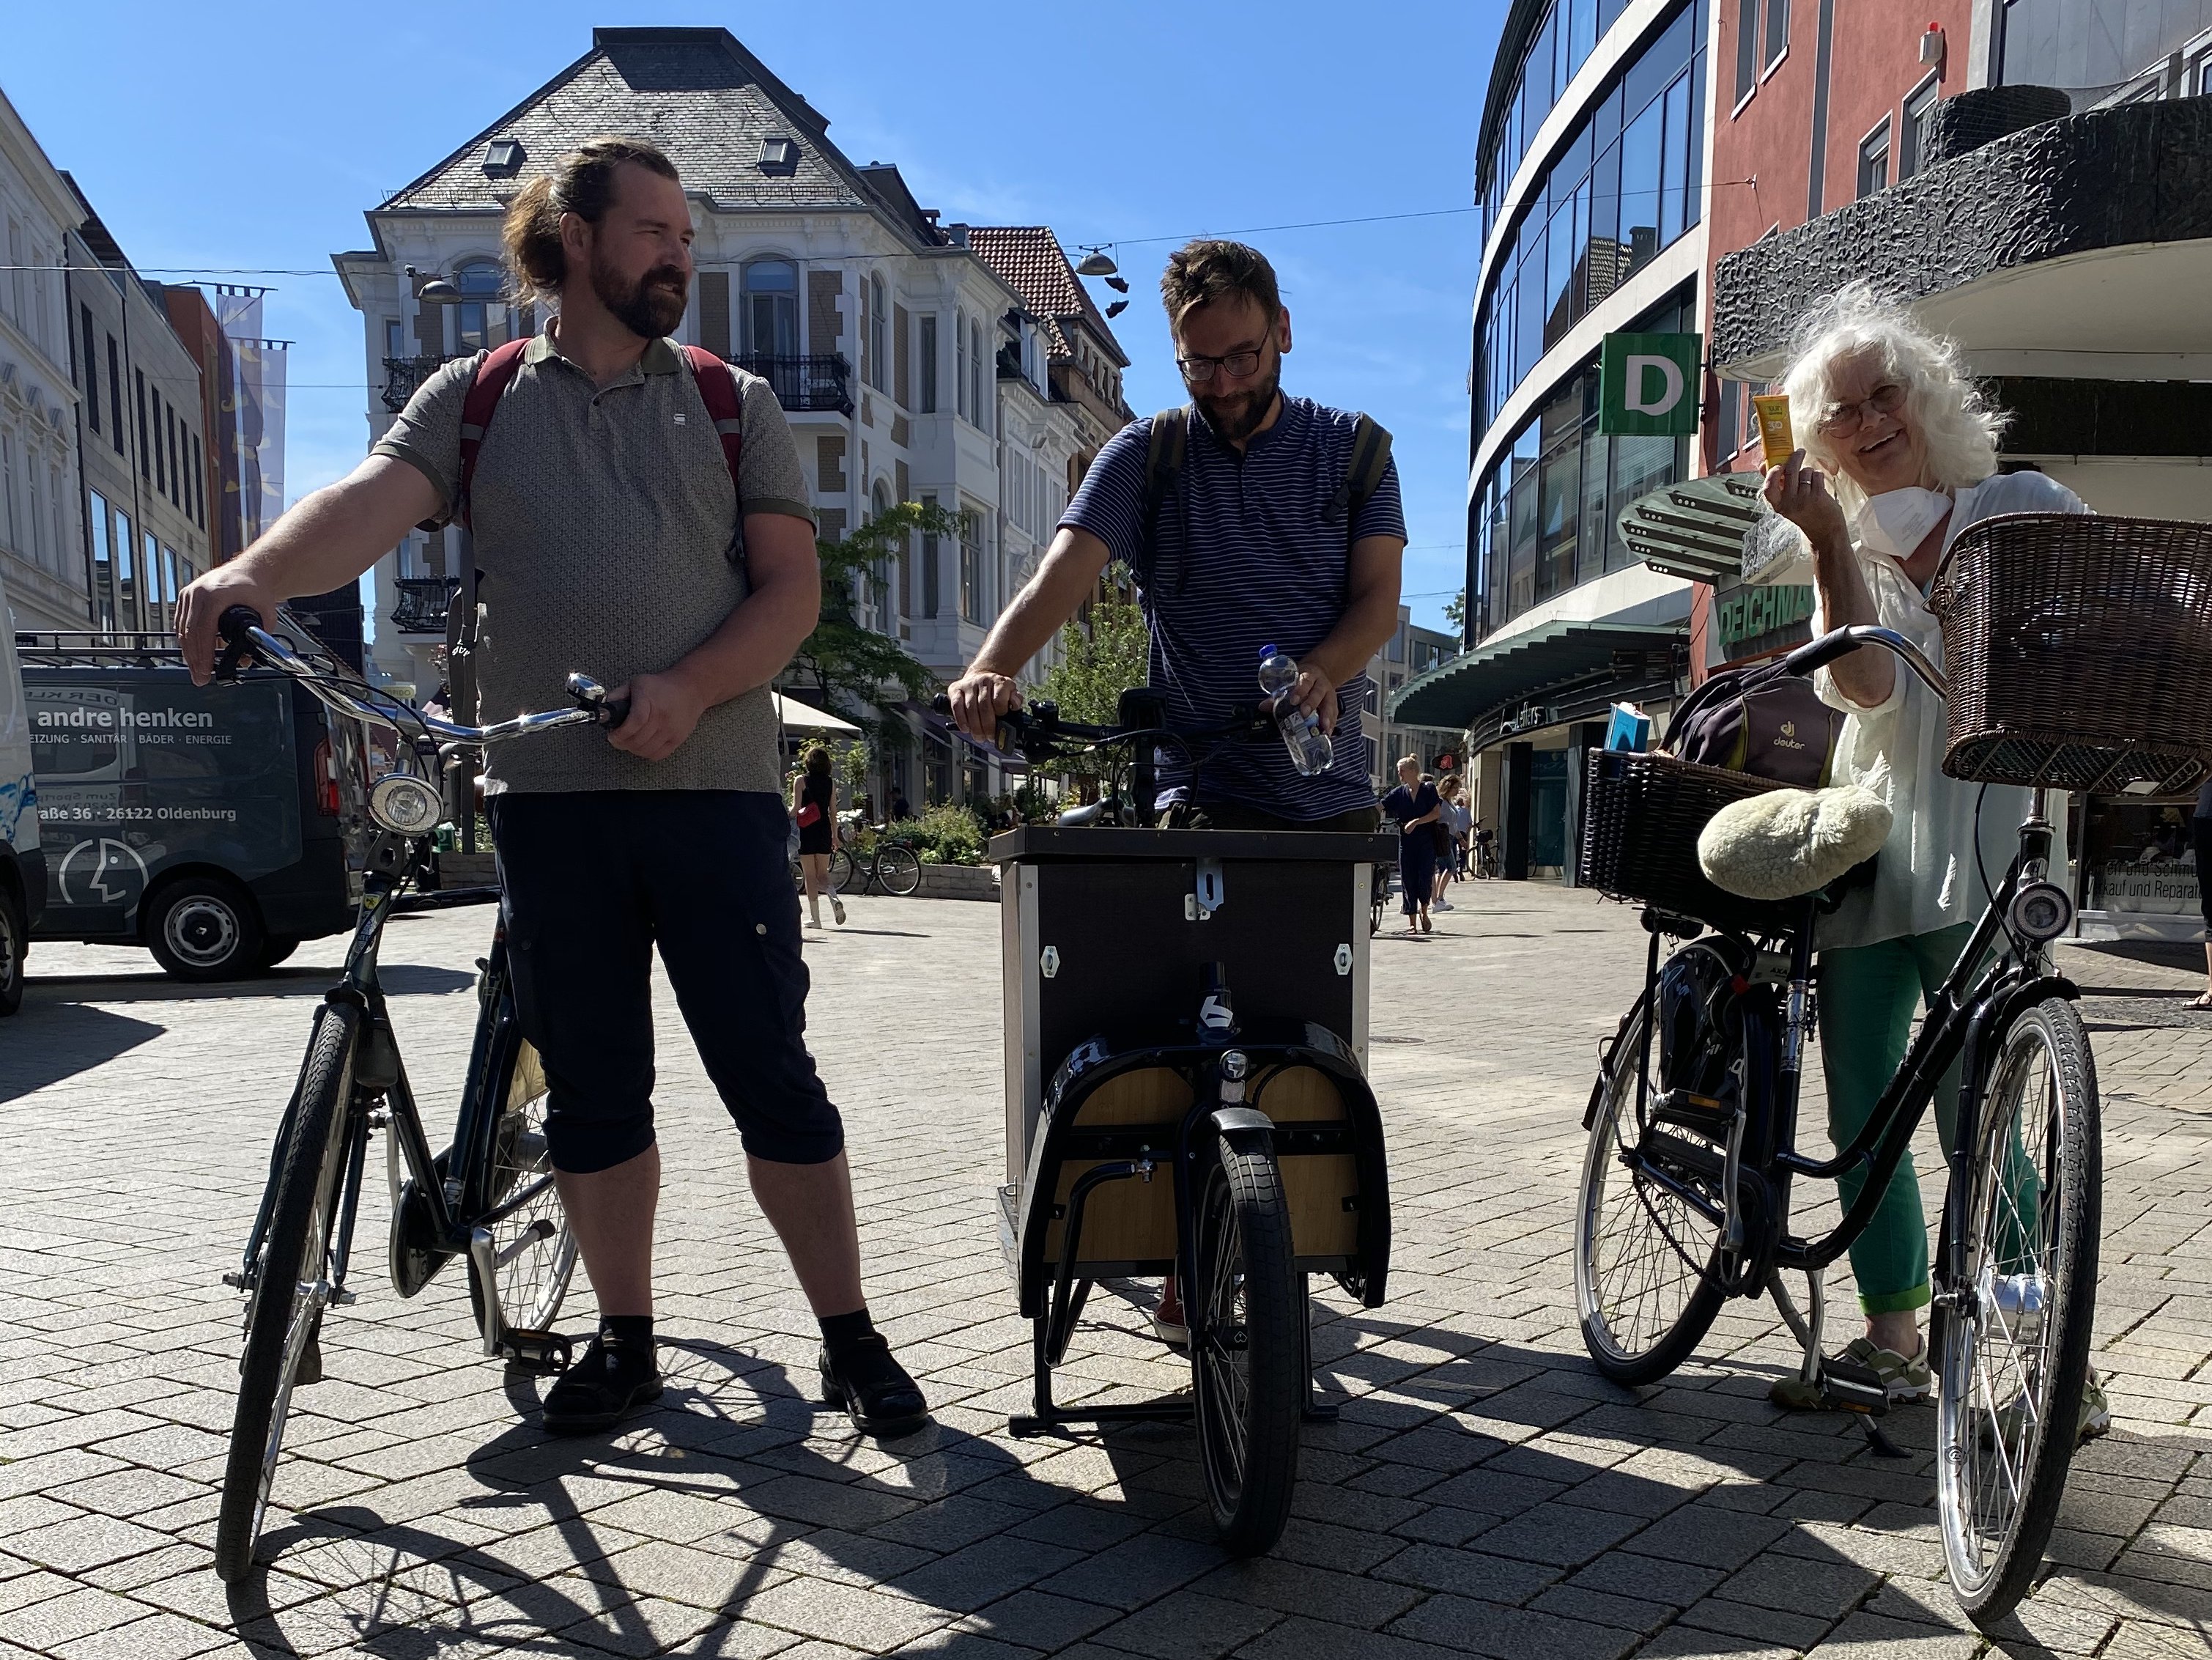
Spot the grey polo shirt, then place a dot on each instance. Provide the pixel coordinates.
(603, 518)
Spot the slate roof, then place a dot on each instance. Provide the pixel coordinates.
(1030, 261)
(706, 101)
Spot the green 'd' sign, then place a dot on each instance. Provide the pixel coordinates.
(1648, 385)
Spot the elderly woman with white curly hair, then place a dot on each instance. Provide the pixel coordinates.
(1899, 456)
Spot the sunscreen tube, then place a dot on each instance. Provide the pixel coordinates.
(1771, 410)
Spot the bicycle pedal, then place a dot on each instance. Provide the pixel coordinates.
(541, 1353)
(1847, 1386)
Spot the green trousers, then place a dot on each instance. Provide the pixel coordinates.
(1869, 996)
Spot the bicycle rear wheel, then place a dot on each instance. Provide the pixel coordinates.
(841, 875)
(292, 1281)
(1248, 1355)
(2015, 1352)
(1641, 1290)
(533, 1247)
(899, 869)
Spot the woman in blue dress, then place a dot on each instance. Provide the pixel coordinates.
(1414, 807)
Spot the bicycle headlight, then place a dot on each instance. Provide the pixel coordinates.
(2041, 911)
(405, 804)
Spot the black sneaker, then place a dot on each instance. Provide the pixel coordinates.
(873, 1389)
(608, 1383)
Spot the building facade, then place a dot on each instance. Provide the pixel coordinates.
(43, 559)
(906, 363)
(142, 417)
(1592, 163)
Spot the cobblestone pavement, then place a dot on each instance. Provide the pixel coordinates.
(1485, 1492)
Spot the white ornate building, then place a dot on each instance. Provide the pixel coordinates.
(908, 367)
(42, 550)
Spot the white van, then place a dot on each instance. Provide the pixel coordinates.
(22, 867)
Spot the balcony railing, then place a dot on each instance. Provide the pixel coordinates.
(402, 375)
(804, 383)
(423, 602)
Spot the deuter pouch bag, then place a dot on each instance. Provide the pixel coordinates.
(1780, 731)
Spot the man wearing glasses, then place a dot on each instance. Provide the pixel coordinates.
(1255, 545)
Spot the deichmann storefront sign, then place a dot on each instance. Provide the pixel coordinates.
(1648, 385)
(1749, 613)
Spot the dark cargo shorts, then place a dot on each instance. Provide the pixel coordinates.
(593, 881)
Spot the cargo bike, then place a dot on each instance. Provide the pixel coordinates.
(2079, 658)
(1186, 1033)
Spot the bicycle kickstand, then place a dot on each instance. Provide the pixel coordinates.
(1807, 1331)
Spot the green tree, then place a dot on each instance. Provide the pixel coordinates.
(1101, 657)
(852, 667)
(1455, 613)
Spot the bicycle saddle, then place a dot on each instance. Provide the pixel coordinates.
(1790, 843)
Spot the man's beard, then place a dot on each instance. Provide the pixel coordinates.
(1237, 416)
(648, 307)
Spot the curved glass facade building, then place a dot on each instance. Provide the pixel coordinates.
(1591, 169)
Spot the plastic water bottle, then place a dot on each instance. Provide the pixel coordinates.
(1310, 750)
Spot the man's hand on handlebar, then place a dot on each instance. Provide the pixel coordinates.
(201, 606)
(662, 711)
(979, 697)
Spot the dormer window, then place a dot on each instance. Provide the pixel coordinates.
(779, 156)
(503, 158)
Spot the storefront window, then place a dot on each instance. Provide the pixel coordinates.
(2138, 862)
(1625, 184)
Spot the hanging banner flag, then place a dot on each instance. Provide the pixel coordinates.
(1648, 385)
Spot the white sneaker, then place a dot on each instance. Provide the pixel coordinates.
(1442, 904)
(837, 910)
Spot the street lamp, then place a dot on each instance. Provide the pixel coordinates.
(1096, 262)
(460, 775)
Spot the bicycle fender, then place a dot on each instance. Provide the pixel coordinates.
(1236, 1124)
(1606, 1049)
(1995, 1017)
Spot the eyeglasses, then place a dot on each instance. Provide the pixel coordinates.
(1839, 418)
(1199, 370)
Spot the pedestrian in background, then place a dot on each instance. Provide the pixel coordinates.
(814, 805)
(1452, 824)
(1413, 806)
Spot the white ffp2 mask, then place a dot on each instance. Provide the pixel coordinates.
(1897, 521)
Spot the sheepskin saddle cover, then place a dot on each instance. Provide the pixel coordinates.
(1790, 843)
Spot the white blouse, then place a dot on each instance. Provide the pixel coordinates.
(1925, 879)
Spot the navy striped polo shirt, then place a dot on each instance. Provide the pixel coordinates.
(1244, 561)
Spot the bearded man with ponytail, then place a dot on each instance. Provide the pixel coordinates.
(635, 519)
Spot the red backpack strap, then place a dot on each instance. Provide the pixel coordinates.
(486, 387)
(718, 390)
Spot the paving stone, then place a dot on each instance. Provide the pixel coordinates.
(1485, 1628)
(1187, 1624)
(1038, 1619)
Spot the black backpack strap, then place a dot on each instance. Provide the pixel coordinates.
(1163, 459)
(1363, 472)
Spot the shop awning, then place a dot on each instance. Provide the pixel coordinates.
(1694, 528)
(804, 717)
(1498, 673)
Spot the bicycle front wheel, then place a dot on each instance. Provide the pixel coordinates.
(842, 872)
(1642, 1290)
(292, 1282)
(1248, 1355)
(533, 1248)
(2014, 1357)
(899, 869)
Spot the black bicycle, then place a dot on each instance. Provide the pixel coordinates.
(876, 858)
(1685, 1187)
(489, 1198)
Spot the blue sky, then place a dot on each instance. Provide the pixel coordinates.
(256, 135)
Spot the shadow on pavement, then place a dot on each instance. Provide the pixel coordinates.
(155, 986)
(52, 1038)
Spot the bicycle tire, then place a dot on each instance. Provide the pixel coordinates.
(277, 1334)
(1689, 1301)
(1247, 1361)
(534, 1245)
(841, 871)
(1995, 1510)
(899, 869)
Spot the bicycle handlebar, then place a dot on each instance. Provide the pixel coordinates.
(1838, 642)
(244, 638)
(1039, 731)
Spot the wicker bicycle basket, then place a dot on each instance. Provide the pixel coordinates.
(2078, 651)
(1642, 814)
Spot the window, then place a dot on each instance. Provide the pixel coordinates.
(1747, 48)
(926, 363)
(971, 567)
(1874, 160)
(126, 584)
(771, 294)
(395, 338)
(779, 156)
(960, 362)
(176, 472)
(1912, 136)
(199, 484)
(149, 568)
(91, 377)
(33, 543)
(976, 377)
(481, 321)
(103, 563)
(1728, 436)
(114, 395)
(930, 586)
(878, 323)
(145, 461)
(1777, 31)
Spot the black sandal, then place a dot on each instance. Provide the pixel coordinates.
(873, 1389)
(600, 1391)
